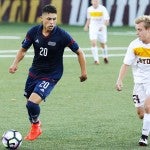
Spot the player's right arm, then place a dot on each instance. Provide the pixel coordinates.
(87, 24)
(19, 56)
(122, 73)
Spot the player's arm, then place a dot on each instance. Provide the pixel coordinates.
(19, 56)
(122, 73)
(82, 62)
(87, 24)
(106, 22)
(106, 17)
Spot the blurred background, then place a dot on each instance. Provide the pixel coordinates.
(72, 12)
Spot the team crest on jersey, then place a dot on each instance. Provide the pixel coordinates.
(51, 43)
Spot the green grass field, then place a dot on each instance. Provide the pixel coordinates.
(76, 116)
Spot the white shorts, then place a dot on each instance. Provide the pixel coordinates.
(95, 34)
(140, 92)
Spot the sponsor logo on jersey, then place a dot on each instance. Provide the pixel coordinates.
(42, 90)
(36, 41)
(143, 61)
(51, 43)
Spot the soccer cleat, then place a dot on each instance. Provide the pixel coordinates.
(96, 62)
(143, 142)
(105, 60)
(34, 132)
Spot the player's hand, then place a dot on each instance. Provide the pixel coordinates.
(119, 86)
(85, 28)
(13, 69)
(83, 78)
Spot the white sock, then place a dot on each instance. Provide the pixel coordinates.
(95, 53)
(146, 124)
(105, 52)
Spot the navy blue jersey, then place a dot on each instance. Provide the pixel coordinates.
(48, 51)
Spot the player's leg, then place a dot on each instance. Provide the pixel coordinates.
(33, 109)
(40, 92)
(140, 112)
(29, 88)
(144, 96)
(94, 48)
(146, 120)
(102, 38)
(104, 52)
(139, 99)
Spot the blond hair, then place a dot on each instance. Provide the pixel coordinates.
(145, 19)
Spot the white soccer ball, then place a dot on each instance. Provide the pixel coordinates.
(12, 139)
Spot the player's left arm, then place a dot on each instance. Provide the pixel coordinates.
(106, 17)
(106, 22)
(69, 42)
(82, 62)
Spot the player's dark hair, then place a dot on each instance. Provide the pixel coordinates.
(49, 9)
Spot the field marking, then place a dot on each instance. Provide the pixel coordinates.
(10, 53)
(129, 33)
(11, 37)
(67, 49)
(3, 37)
(66, 56)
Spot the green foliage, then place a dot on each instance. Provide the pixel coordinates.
(76, 116)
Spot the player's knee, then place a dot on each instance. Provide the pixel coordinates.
(31, 106)
(140, 114)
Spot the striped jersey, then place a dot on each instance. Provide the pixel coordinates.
(138, 55)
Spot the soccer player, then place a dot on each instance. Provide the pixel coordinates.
(138, 56)
(97, 22)
(49, 42)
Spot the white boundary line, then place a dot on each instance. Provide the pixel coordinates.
(10, 53)
(67, 49)
(66, 56)
(3, 37)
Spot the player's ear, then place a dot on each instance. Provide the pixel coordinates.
(41, 18)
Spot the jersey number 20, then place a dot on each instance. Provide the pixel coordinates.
(43, 51)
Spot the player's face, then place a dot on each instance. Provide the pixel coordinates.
(142, 33)
(95, 3)
(49, 21)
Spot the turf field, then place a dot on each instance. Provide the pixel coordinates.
(77, 116)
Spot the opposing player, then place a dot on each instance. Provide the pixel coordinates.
(49, 42)
(138, 56)
(97, 22)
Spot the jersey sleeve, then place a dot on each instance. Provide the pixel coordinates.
(27, 42)
(70, 42)
(88, 13)
(130, 57)
(106, 14)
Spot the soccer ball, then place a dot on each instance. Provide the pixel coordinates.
(12, 139)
